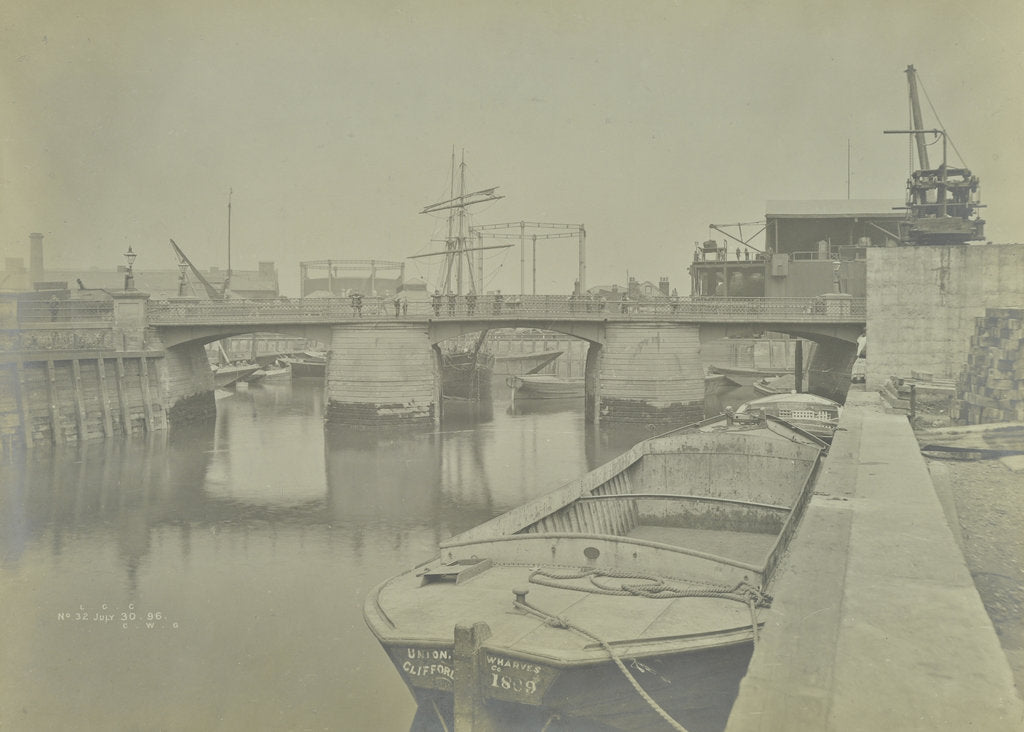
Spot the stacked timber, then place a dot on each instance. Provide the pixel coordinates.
(991, 386)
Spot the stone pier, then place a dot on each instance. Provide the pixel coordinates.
(646, 373)
(382, 374)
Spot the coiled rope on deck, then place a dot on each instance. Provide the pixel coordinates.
(648, 585)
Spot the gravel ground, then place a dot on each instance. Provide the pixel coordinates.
(984, 500)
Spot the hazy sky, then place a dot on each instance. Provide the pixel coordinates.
(334, 121)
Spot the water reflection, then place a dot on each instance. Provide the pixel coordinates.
(258, 535)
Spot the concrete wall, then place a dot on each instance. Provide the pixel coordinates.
(922, 302)
(648, 374)
(381, 374)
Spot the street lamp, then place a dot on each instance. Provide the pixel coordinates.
(129, 279)
(182, 268)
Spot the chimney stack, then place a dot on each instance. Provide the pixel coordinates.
(663, 286)
(35, 258)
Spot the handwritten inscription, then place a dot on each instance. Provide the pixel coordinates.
(128, 618)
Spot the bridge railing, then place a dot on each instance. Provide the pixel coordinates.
(56, 310)
(487, 307)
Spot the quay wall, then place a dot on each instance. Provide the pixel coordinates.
(65, 400)
(648, 373)
(922, 303)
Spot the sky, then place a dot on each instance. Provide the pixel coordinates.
(332, 123)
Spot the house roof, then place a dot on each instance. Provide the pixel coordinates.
(164, 283)
(836, 208)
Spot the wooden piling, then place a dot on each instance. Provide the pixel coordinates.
(122, 398)
(798, 366)
(147, 401)
(101, 376)
(21, 397)
(76, 378)
(471, 711)
(56, 431)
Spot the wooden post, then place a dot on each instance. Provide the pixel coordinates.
(21, 395)
(798, 366)
(471, 713)
(101, 375)
(122, 398)
(51, 395)
(147, 404)
(76, 374)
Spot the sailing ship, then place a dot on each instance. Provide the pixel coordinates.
(465, 370)
(626, 597)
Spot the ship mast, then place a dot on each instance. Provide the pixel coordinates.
(456, 249)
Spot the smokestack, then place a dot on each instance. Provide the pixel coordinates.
(35, 258)
(663, 286)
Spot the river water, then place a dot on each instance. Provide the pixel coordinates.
(213, 578)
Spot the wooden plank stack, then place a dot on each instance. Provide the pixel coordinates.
(991, 385)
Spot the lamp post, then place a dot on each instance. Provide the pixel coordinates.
(182, 268)
(129, 278)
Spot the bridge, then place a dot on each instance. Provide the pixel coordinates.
(643, 363)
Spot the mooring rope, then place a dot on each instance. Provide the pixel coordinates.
(649, 586)
(557, 622)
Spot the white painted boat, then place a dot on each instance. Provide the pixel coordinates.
(810, 412)
(648, 570)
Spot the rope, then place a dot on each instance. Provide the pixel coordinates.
(557, 622)
(648, 586)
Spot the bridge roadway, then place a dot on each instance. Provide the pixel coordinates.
(384, 366)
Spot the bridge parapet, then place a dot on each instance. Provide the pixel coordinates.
(821, 309)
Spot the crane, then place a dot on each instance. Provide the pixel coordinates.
(942, 202)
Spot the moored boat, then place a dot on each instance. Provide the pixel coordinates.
(742, 376)
(783, 384)
(644, 574)
(810, 412)
(545, 386)
(516, 364)
(228, 374)
(308, 364)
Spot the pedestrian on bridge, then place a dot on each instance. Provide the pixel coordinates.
(398, 306)
(471, 303)
(357, 304)
(435, 302)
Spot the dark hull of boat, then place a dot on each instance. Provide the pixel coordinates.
(302, 369)
(466, 375)
(696, 688)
